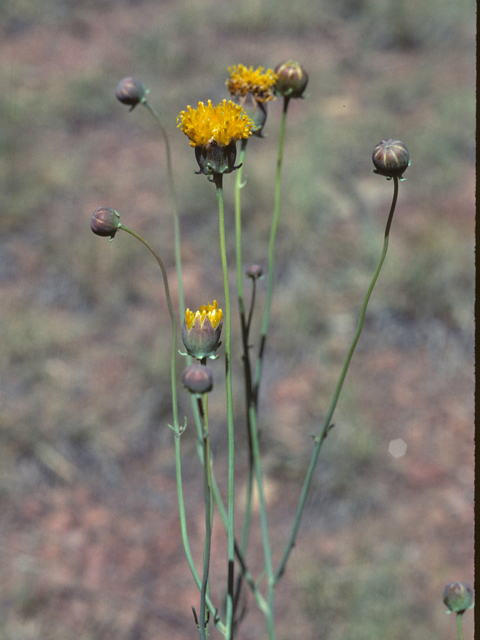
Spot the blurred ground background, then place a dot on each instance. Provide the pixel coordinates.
(89, 523)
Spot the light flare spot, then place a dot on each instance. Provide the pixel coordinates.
(397, 448)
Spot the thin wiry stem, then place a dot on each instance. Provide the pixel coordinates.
(207, 482)
(178, 430)
(459, 626)
(327, 423)
(176, 215)
(271, 253)
(218, 180)
(244, 327)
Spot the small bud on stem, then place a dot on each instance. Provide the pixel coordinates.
(254, 271)
(458, 596)
(197, 379)
(105, 222)
(130, 91)
(391, 158)
(292, 80)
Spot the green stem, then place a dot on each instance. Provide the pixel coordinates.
(178, 257)
(254, 469)
(459, 626)
(207, 482)
(271, 249)
(269, 609)
(253, 390)
(218, 181)
(183, 528)
(177, 429)
(173, 321)
(246, 367)
(238, 227)
(176, 216)
(246, 357)
(326, 424)
(177, 243)
(238, 552)
(262, 604)
(252, 306)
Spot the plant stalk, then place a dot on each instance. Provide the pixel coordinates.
(326, 425)
(271, 253)
(218, 181)
(207, 486)
(176, 216)
(177, 429)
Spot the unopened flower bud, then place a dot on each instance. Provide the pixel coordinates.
(254, 271)
(198, 379)
(105, 222)
(458, 596)
(391, 158)
(201, 331)
(292, 80)
(130, 91)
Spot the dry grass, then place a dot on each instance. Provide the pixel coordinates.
(89, 526)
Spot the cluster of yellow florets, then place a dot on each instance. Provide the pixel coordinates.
(210, 311)
(224, 123)
(259, 83)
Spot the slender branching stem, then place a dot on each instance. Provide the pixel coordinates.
(253, 389)
(238, 227)
(173, 321)
(246, 361)
(269, 610)
(327, 423)
(459, 626)
(207, 487)
(238, 552)
(262, 604)
(271, 253)
(245, 356)
(177, 244)
(177, 429)
(254, 468)
(178, 255)
(176, 216)
(252, 307)
(218, 180)
(178, 266)
(183, 527)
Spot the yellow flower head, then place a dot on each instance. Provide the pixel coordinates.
(201, 331)
(210, 311)
(258, 83)
(224, 124)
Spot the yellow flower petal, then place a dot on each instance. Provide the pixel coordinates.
(210, 311)
(224, 123)
(257, 82)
